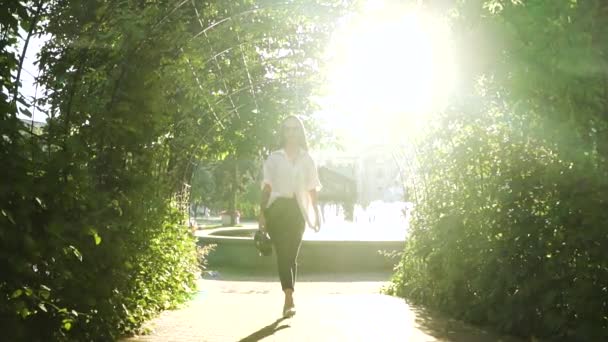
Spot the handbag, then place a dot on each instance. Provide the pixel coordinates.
(263, 243)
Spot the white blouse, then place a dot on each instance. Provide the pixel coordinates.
(289, 179)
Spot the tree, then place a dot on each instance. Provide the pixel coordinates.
(203, 186)
(220, 184)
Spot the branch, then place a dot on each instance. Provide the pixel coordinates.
(25, 46)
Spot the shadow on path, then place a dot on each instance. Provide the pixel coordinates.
(450, 329)
(266, 331)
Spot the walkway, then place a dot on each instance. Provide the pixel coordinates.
(333, 308)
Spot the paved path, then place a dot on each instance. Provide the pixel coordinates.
(346, 308)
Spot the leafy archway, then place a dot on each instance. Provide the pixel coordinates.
(137, 92)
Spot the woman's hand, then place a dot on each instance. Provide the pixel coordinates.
(315, 205)
(262, 222)
(317, 226)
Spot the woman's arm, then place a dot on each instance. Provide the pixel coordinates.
(315, 205)
(265, 197)
(314, 185)
(263, 203)
(266, 190)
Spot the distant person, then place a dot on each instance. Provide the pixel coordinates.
(289, 202)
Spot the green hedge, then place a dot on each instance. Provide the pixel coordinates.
(90, 242)
(509, 228)
(78, 265)
(511, 184)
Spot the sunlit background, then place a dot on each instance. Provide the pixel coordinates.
(389, 68)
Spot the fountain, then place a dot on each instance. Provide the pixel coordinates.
(359, 244)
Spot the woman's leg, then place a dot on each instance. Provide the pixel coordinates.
(292, 246)
(285, 227)
(280, 240)
(287, 243)
(286, 230)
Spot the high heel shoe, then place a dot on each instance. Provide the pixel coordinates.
(289, 312)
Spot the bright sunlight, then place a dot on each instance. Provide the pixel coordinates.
(390, 68)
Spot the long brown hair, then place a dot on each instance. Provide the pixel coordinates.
(302, 142)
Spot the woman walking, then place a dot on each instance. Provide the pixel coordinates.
(289, 202)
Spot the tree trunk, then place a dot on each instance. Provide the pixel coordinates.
(234, 194)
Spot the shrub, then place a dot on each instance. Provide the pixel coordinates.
(511, 186)
(91, 239)
(91, 278)
(508, 228)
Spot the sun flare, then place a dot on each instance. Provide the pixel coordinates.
(389, 69)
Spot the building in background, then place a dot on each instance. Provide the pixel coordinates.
(374, 173)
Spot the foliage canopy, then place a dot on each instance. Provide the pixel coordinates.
(91, 241)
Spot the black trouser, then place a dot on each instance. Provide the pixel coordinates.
(285, 226)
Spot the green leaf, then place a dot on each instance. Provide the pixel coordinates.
(26, 112)
(24, 312)
(8, 216)
(25, 25)
(44, 294)
(95, 235)
(76, 252)
(39, 201)
(17, 293)
(22, 101)
(67, 325)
